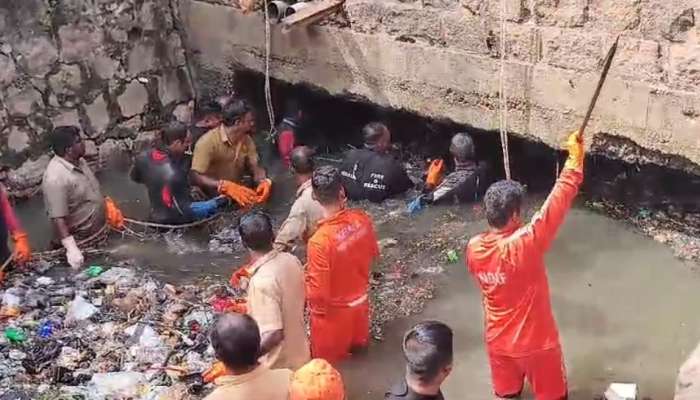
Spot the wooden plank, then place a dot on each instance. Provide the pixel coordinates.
(315, 12)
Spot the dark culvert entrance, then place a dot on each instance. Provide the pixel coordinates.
(621, 189)
(597, 267)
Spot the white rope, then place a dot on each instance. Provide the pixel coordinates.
(503, 100)
(268, 95)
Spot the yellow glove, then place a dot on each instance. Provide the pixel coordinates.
(240, 194)
(574, 144)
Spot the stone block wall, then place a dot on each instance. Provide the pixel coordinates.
(441, 58)
(113, 67)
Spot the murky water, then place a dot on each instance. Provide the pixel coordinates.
(625, 306)
(626, 309)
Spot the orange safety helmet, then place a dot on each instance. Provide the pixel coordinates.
(317, 380)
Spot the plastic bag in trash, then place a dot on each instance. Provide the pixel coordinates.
(79, 310)
(117, 385)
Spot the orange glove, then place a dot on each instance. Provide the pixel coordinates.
(114, 216)
(435, 172)
(240, 277)
(23, 252)
(574, 144)
(263, 191)
(239, 306)
(217, 370)
(240, 194)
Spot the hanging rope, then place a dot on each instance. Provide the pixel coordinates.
(268, 94)
(503, 100)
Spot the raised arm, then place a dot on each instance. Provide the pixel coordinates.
(543, 227)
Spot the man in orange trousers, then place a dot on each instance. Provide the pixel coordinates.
(340, 256)
(507, 262)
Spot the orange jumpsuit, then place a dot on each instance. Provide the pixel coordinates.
(340, 255)
(508, 265)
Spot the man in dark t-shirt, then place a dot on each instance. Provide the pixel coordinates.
(372, 173)
(427, 348)
(164, 172)
(469, 179)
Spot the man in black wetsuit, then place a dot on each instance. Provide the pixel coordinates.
(470, 178)
(372, 173)
(164, 172)
(427, 348)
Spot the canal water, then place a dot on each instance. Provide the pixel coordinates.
(627, 309)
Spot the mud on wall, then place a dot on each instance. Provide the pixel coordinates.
(113, 67)
(441, 58)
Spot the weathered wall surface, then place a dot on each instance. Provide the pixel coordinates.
(113, 67)
(441, 58)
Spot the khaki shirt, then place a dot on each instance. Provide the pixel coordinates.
(276, 301)
(302, 220)
(259, 384)
(72, 192)
(218, 158)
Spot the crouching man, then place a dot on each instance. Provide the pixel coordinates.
(164, 172)
(72, 195)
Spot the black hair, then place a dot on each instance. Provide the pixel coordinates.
(206, 107)
(255, 228)
(235, 111)
(326, 184)
(62, 138)
(172, 131)
(462, 147)
(372, 132)
(502, 199)
(302, 160)
(427, 348)
(236, 341)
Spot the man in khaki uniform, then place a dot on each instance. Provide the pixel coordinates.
(72, 194)
(226, 153)
(275, 295)
(236, 342)
(306, 212)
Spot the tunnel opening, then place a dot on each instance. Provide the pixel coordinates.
(619, 188)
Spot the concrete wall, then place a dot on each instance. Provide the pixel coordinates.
(113, 67)
(440, 58)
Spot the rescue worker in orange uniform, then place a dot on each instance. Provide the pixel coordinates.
(507, 263)
(340, 256)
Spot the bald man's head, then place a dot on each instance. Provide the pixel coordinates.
(236, 341)
(302, 160)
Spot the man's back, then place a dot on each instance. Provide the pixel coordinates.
(370, 175)
(167, 184)
(276, 301)
(259, 384)
(508, 266)
(302, 220)
(340, 257)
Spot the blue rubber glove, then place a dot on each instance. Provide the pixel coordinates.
(416, 205)
(204, 209)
